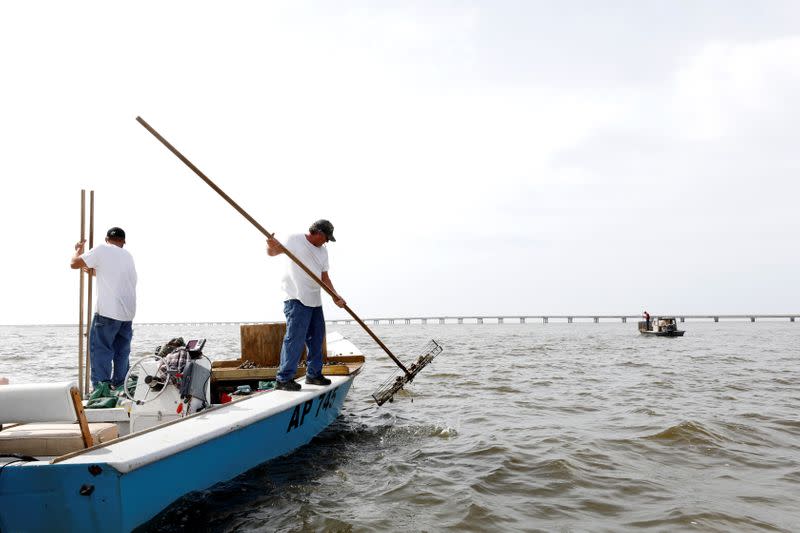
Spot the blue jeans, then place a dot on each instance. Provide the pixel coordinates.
(304, 325)
(110, 342)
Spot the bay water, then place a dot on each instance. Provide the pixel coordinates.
(515, 427)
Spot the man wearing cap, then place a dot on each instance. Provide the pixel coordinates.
(305, 323)
(111, 334)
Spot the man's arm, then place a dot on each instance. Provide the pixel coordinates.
(338, 300)
(77, 262)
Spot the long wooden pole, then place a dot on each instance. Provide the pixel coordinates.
(269, 235)
(80, 305)
(89, 313)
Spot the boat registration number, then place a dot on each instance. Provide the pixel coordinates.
(324, 402)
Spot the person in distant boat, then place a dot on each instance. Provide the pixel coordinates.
(112, 325)
(305, 323)
(646, 316)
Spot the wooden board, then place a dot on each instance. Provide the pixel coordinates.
(233, 374)
(227, 363)
(261, 344)
(237, 374)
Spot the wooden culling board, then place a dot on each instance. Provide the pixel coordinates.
(261, 344)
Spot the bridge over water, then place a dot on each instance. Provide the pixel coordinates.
(545, 319)
(512, 319)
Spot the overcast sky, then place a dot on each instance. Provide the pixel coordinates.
(475, 157)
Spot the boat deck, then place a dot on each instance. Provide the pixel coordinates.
(132, 451)
(136, 450)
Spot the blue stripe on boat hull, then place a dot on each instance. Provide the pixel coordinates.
(47, 497)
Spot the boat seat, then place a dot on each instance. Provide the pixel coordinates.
(50, 439)
(49, 420)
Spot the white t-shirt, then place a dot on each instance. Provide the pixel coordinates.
(296, 284)
(116, 281)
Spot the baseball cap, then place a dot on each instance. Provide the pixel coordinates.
(116, 233)
(325, 227)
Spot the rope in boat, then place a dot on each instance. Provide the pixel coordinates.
(19, 459)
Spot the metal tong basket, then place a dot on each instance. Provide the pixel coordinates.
(397, 381)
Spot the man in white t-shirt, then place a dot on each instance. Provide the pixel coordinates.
(112, 331)
(305, 323)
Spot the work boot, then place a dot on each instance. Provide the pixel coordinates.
(322, 380)
(288, 385)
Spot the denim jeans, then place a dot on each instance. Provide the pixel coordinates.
(110, 343)
(304, 326)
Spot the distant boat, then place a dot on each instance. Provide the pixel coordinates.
(663, 326)
(125, 465)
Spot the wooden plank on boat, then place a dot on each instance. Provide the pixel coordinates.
(233, 374)
(235, 363)
(335, 370)
(228, 363)
(261, 343)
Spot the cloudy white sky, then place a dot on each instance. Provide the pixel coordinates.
(475, 157)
